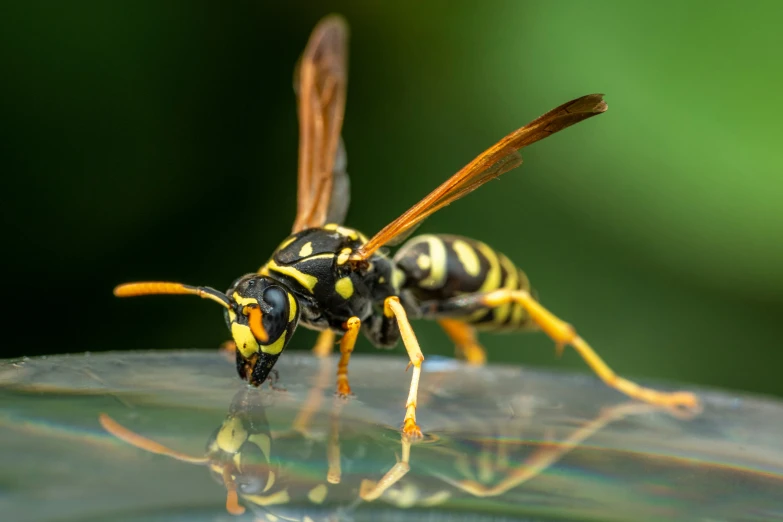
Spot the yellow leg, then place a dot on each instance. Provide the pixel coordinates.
(347, 343)
(563, 333)
(392, 307)
(228, 350)
(464, 338)
(325, 344)
(370, 490)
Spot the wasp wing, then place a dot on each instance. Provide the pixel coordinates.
(493, 162)
(320, 82)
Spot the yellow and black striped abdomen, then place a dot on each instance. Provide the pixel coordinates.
(441, 267)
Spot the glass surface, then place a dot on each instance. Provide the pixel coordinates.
(502, 443)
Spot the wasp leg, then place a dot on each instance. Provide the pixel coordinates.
(325, 344)
(370, 490)
(347, 343)
(392, 307)
(563, 333)
(228, 350)
(464, 338)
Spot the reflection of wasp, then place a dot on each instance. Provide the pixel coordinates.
(334, 279)
(326, 463)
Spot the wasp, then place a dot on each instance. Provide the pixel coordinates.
(332, 278)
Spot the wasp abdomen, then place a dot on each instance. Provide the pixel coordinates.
(440, 267)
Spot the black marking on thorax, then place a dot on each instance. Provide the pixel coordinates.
(314, 264)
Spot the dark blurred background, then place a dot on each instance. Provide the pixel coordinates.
(158, 140)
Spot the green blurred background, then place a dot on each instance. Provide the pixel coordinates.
(158, 140)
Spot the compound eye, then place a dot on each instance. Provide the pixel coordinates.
(276, 317)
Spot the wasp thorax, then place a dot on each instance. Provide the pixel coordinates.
(262, 318)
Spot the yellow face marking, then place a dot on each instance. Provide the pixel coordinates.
(344, 287)
(424, 261)
(276, 347)
(291, 307)
(306, 280)
(306, 249)
(345, 253)
(244, 338)
(232, 316)
(318, 494)
(467, 257)
(231, 436)
(438, 264)
(244, 301)
(281, 497)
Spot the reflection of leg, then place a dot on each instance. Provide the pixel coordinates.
(547, 455)
(464, 338)
(563, 333)
(334, 472)
(371, 490)
(314, 397)
(325, 344)
(134, 439)
(392, 306)
(347, 343)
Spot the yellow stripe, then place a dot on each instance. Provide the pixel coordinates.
(306, 280)
(491, 280)
(281, 497)
(467, 257)
(285, 243)
(438, 265)
(501, 312)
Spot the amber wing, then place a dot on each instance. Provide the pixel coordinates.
(320, 82)
(498, 159)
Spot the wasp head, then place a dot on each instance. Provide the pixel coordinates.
(262, 317)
